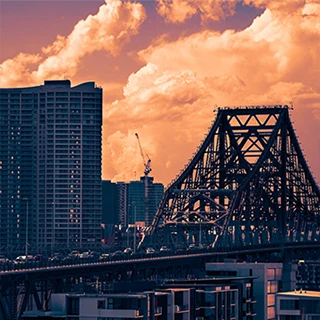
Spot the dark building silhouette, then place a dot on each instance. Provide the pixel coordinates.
(109, 203)
(50, 165)
(125, 203)
(143, 197)
(121, 203)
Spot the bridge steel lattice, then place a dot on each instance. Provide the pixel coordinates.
(247, 184)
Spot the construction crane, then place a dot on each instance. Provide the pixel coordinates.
(147, 164)
(145, 179)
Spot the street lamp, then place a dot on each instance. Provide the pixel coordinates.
(200, 235)
(27, 227)
(135, 229)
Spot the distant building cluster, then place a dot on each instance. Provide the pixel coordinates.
(130, 203)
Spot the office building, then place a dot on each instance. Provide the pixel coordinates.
(143, 198)
(127, 203)
(50, 165)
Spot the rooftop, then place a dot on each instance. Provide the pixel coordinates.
(301, 293)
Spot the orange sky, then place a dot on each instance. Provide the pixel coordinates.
(164, 66)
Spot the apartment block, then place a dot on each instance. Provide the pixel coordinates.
(50, 165)
(169, 304)
(270, 278)
(298, 305)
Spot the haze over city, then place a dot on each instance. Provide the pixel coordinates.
(164, 66)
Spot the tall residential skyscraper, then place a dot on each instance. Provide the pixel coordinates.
(50, 165)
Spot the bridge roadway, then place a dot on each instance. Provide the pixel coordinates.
(18, 284)
(148, 261)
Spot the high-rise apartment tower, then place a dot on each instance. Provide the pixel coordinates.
(50, 165)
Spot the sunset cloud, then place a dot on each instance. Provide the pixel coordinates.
(276, 5)
(177, 11)
(17, 70)
(171, 98)
(108, 30)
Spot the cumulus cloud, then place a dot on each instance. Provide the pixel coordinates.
(172, 96)
(108, 30)
(16, 71)
(276, 5)
(177, 11)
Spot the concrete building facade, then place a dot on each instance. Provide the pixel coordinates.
(150, 305)
(270, 279)
(298, 305)
(50, 165)
(209, 299)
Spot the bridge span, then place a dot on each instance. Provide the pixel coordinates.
(247, 191)
(18, 285)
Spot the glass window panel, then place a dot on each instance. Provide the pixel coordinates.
(271, 313)
(271, 274)
(271, 300)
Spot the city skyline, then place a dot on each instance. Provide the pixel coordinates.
(163, 69)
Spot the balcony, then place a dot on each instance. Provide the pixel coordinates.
(181, 308)
(121, 313)
(158, 311)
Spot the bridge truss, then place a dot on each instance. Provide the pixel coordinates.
(247, 184)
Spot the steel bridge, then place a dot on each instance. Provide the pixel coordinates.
(23, 285)
(247, 193)
(247, 184)
(20, 285)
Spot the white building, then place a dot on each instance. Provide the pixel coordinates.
(167, 304)
(298, 305)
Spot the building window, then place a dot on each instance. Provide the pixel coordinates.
(271, 274)
(289, 304)
(271, 300)
(101, 304)
(73, 306)
(272, 286)
(271, 313)
(110, 303)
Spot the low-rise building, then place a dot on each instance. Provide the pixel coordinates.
(167, 304)
(270, 278)
(298, 305)
(219, 298)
